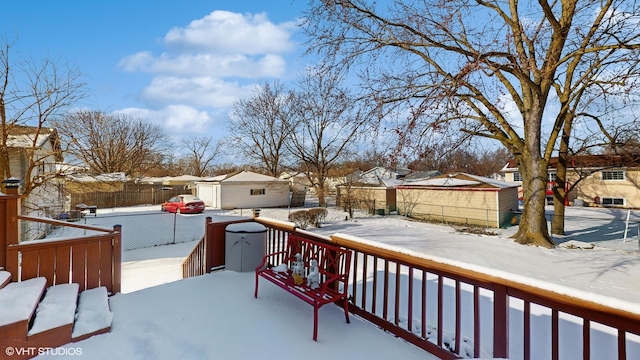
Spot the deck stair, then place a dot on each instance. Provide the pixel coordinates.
(35, 316)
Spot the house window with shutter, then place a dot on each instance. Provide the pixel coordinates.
(257, 192)
(517, 176)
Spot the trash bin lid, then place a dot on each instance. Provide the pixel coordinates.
(247, 227)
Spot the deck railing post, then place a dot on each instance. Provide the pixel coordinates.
(10, 234)
(117, 259)
(207, 246)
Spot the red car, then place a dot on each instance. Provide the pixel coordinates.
(183, 204)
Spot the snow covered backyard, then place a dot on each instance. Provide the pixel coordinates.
(216, 316)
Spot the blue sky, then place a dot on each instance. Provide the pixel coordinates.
(179, 64)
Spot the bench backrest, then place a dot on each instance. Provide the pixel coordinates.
(332, 260)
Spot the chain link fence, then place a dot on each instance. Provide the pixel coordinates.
(145, 229)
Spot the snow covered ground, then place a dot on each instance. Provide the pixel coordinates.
(215, 316)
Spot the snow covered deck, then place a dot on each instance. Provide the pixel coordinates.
(216, 316)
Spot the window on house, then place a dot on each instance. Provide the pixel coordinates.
(608, 201)
(517, 176)
(257, 192)
(552, 177)
(613, 175)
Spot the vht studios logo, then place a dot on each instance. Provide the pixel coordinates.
(33, 351)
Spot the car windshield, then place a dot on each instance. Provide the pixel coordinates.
(189, 198)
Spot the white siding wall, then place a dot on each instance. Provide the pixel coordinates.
(238, 195)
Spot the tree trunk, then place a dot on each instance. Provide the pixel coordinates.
(559, 194)
(533, 224)
(320, 192)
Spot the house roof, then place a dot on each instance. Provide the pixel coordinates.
(109, 177)
(244, 176)
(459, 180)
(587, 161)
(380, 176)
(185, 178)
(23, 136)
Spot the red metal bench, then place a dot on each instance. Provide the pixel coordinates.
(333, 265)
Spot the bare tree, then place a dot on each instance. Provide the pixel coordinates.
(202, 152)
(467, 159)
(260, 126)
(512, 72)
(327, 123)
(32, 92)
(113, 143)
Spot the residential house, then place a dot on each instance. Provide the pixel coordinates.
(47, 197)
(375, 189)
(595, 180)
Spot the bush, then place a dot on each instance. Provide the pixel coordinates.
(317, 216)
(301, 218)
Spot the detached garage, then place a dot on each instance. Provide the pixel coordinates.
(459, 198)
(243, 190)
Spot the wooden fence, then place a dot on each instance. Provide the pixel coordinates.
(128, 196)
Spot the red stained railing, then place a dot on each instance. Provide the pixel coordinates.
(452, 312)
(90, 261)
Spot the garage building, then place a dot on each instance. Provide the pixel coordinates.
(460, 198)
(243, 190)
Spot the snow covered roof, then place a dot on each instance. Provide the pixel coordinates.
(23, 136)
(460, 180)
(184, 178)
(244, 176)
(110, 177)
(248, 176)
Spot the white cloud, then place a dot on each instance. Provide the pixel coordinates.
(206, 66)
(197, 91)
(233, 33)
(180, 118)
(221, 66)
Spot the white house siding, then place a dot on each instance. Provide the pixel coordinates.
(236, 195)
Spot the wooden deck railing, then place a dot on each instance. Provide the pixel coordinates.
(443, 309)
(90, 261)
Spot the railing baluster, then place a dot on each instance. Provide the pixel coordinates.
(410, 301)
(364, 285)
(476, 321)
(458, 318)
(622, 345)
(354, 276)
(527, 330)
(500, 322)
(374, 297)
(424, 304)
(396, 301)
(586, 339)
(385, 289)
(554, 335)
(440, 329)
